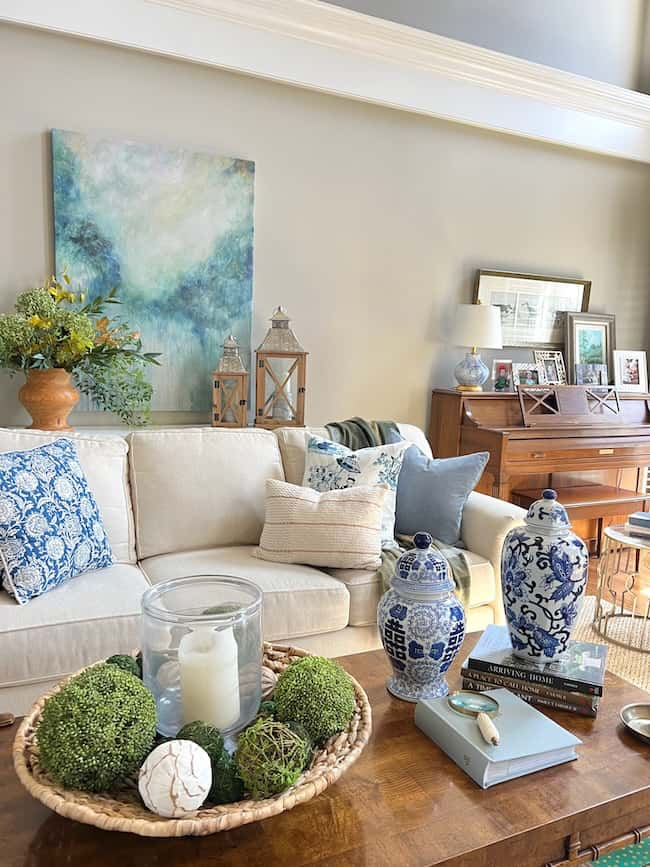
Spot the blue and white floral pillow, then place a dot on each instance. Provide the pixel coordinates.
(50, 525)
(330, 466)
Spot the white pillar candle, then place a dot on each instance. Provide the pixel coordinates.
(209, 677)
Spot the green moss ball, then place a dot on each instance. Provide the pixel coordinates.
(316, 693)
(270, 757)
(267, 708)
(97, 730)
(227, 785)
(205, 735)
(125, 662)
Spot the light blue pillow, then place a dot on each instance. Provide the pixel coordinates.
(431, 494)
(50, 525)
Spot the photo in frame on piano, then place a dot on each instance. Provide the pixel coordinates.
(552, 362)
(527, 373)
(631, 370)
(532, 306)
(592, 374)
(590, 340)
(502, 379)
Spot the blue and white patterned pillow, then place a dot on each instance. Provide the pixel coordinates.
(330, 466)
(50, 525)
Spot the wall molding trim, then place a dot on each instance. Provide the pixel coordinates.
(337, 51)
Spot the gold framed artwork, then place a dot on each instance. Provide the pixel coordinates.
(532, 306)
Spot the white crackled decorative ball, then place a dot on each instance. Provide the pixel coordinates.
(175, 779)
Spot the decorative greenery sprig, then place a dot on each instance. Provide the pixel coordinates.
(54, 327)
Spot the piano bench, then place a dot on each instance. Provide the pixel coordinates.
(589, 502)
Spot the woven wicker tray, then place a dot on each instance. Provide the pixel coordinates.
(122, 810)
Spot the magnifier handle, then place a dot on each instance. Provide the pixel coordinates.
(488, 730)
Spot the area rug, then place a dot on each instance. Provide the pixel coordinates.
(630, 665)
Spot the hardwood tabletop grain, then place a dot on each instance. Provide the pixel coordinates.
(403, 803)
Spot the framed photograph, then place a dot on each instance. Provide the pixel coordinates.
(630, 370)
(527, 373)
(532, 306)
(502, 374)
(590, 339)
(552, 363)
(591, 374)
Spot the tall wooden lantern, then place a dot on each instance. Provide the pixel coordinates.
(281, 364)
(230, 388)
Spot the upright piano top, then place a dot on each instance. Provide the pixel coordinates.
(501, 411)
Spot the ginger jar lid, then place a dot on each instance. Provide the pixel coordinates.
(422, 569)
(547, 514)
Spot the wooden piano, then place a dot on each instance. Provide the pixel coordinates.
(591, 444)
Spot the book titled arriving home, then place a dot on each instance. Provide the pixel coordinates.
(529, 741)
(580, 669)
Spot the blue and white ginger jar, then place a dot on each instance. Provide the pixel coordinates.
(543, 575)
(421, 623)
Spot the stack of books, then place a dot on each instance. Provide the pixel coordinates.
(638, 524)
(573, 683)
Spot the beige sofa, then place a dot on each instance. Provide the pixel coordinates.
(179, 502)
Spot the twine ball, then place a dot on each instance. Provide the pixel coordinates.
(175, 779)
(270, 757)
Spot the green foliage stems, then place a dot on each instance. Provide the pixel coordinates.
(317, 693)
(97, 730)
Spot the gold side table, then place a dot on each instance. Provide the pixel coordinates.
(622, 615)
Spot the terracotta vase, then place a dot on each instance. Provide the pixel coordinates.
(49, 397)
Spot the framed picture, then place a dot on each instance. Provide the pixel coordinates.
(502, 374)
(630, 370)
(591, 374)
(590, 339)
(532, 307)
(552, 363)
(527, 373)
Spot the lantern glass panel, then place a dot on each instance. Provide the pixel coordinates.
(281, 388)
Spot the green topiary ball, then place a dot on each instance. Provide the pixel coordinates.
(266, 708)
(316, 693)
(97, 729)
(125, 662)
(270, 757)
(227, 785)
(205, 736)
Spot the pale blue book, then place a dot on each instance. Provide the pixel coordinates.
(529, 741)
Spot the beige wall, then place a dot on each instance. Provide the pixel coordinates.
(370, 223)
(601, 39)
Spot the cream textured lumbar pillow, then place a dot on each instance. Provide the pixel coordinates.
(336, 529)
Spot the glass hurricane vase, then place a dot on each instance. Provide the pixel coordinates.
(202, 651)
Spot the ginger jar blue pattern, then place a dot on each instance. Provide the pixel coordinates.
(544, 569)
(421, 623)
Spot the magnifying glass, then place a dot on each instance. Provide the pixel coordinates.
(482, 708)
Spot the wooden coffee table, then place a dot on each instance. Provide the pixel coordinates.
(403, 803)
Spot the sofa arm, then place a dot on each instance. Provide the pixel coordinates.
(486, 521)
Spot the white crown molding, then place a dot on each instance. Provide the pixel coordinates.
(333, 50)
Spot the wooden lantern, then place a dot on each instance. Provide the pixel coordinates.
(281, 365)
(230, 389)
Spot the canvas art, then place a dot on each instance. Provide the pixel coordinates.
(172, 230)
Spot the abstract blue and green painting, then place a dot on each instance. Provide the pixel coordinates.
(172, 230)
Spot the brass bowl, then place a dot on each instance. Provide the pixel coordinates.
(636, 718)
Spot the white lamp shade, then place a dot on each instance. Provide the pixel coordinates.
(477, 325)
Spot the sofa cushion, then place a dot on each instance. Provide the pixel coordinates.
(104, 461)
(50, 526)
(87, 619)
(298, 600)
(334, 528)
(200, 487)
(431, 493)
(293, 446)
(366, 590)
